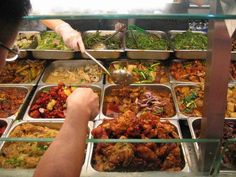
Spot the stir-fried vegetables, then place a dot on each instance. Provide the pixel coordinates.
(190, 100)
(143, 72)
(21, 71)
(189, 41)
(146, 41)
(51, 41)
(91, 39)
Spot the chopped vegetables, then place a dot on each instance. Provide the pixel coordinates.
(190, 100)
(146, 41)
(143, 72)
(51, 41)
(21, 71)
(189, 41)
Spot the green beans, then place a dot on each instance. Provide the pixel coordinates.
(189, 41)
(146, 41)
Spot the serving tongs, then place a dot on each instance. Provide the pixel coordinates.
(132, 28)
(101, 45)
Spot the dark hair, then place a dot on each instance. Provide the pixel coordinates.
(12, 11)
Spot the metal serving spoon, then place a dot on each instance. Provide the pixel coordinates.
(119, 77)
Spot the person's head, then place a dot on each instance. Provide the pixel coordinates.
(11, 13)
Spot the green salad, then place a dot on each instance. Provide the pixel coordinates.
(189, 41)
(51, 41)
(146, 41)
(92, 39)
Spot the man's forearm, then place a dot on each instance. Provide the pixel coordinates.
(52, 24)
(65, 155)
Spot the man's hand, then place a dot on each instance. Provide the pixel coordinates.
(71, 37)
(85, 101)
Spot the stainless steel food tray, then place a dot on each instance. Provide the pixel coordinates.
(126, 61)
(149, 54)
(179, 113)
(32, 83)
(185, 153)
(25, 52)
(23, 105)
(42, 87)
(52, 54)
(108, 88)
(104, 54)
(54, 125)
(196, 146)
(67, 64)
(174, 81)
(188, 54)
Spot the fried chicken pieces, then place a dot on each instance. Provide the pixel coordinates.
(136, 156)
